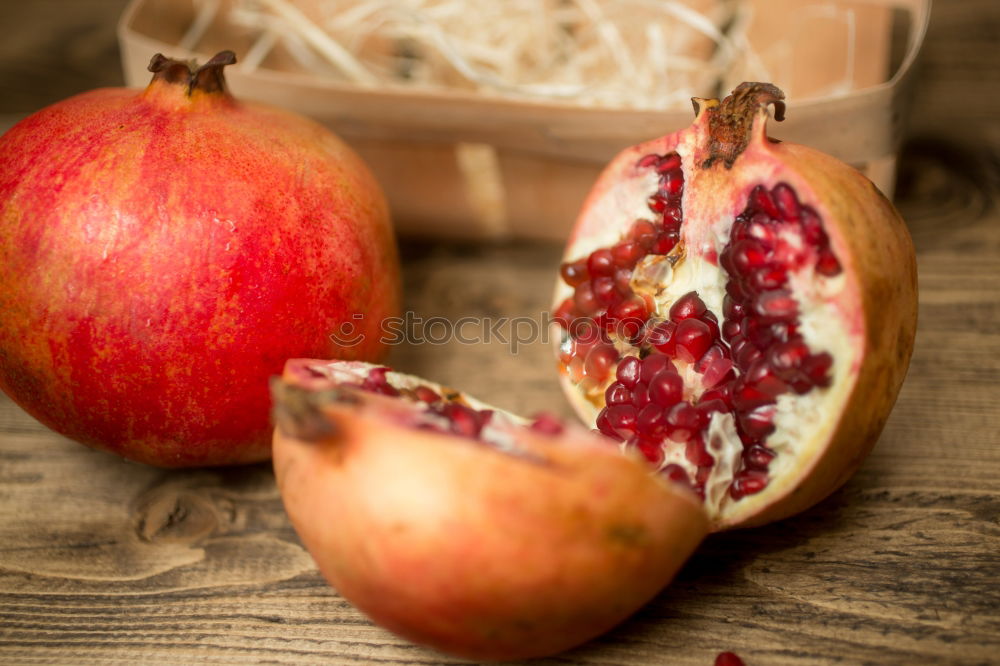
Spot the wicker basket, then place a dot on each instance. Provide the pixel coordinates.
(458, 164)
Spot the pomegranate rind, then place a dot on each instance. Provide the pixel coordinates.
(162, 252)
(477, 551)
(875, 306)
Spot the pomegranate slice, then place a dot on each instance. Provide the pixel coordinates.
(777, 281)
(463, 527)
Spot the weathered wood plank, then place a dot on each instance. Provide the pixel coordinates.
(103, 561)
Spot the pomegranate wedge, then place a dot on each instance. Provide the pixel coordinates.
(464, 528)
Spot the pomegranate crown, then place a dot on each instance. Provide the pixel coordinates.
(730, 121)
(207, 78)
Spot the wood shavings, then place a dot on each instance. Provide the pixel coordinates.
(651, 54)
(625, 54)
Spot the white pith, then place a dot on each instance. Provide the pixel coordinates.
(802, 422)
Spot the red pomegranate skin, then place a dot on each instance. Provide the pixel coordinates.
(163, 252)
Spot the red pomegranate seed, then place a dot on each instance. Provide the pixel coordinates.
(622, 418)
(747, 396)
(736, 289)
(666, 388)
(787, 253)
(604, 426)
(757, 333)
(756, 425)
(728, 659)
(548, 424)
(767, 278)
(738, 231)
(706, 407)
(651, 450)
(652, 365)
(748, 354)
(721, 393)
(695, 453)
(748, 482)
(760, 228)
(617, 394)
(687, 306)
(763, 378)
(731, 309)
(786, 356)
(817, 367)
(600, 262)
(665, 242)
(628, 371)
(726, 260)
(627, 254)
(640, 395)
(776, 305)
(663, 337)
(685, 415)
(717, 372)
(749, 255)
(672, 182)
(465, 421)
(715, 352)
(657, 203)
(761, 200)
(605, 291)
(599, 361)
(738, 343)
(758, 457)
(692, 339)
(585, 300)
(643, 232)
(564, 314)
(633, 307)
(574, 272)
(672, 218)
(731, 329)
(377, 382)
(652, 421)
(669, 162)
(827, 264)
(623, 280)
(676, 473)
(812, 228)
(426, 394)
(712, 323)
(786, 201)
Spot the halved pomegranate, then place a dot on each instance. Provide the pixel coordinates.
(739, 310)
(462, 527)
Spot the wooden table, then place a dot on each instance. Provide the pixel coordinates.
(105, 561)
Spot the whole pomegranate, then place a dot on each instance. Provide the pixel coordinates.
(740, 310)
(163, 252)
(464, 528)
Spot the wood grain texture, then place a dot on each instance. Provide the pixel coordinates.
(108, 562)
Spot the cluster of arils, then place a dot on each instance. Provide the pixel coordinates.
(664, 377)
(602, 281)
(446, 411)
